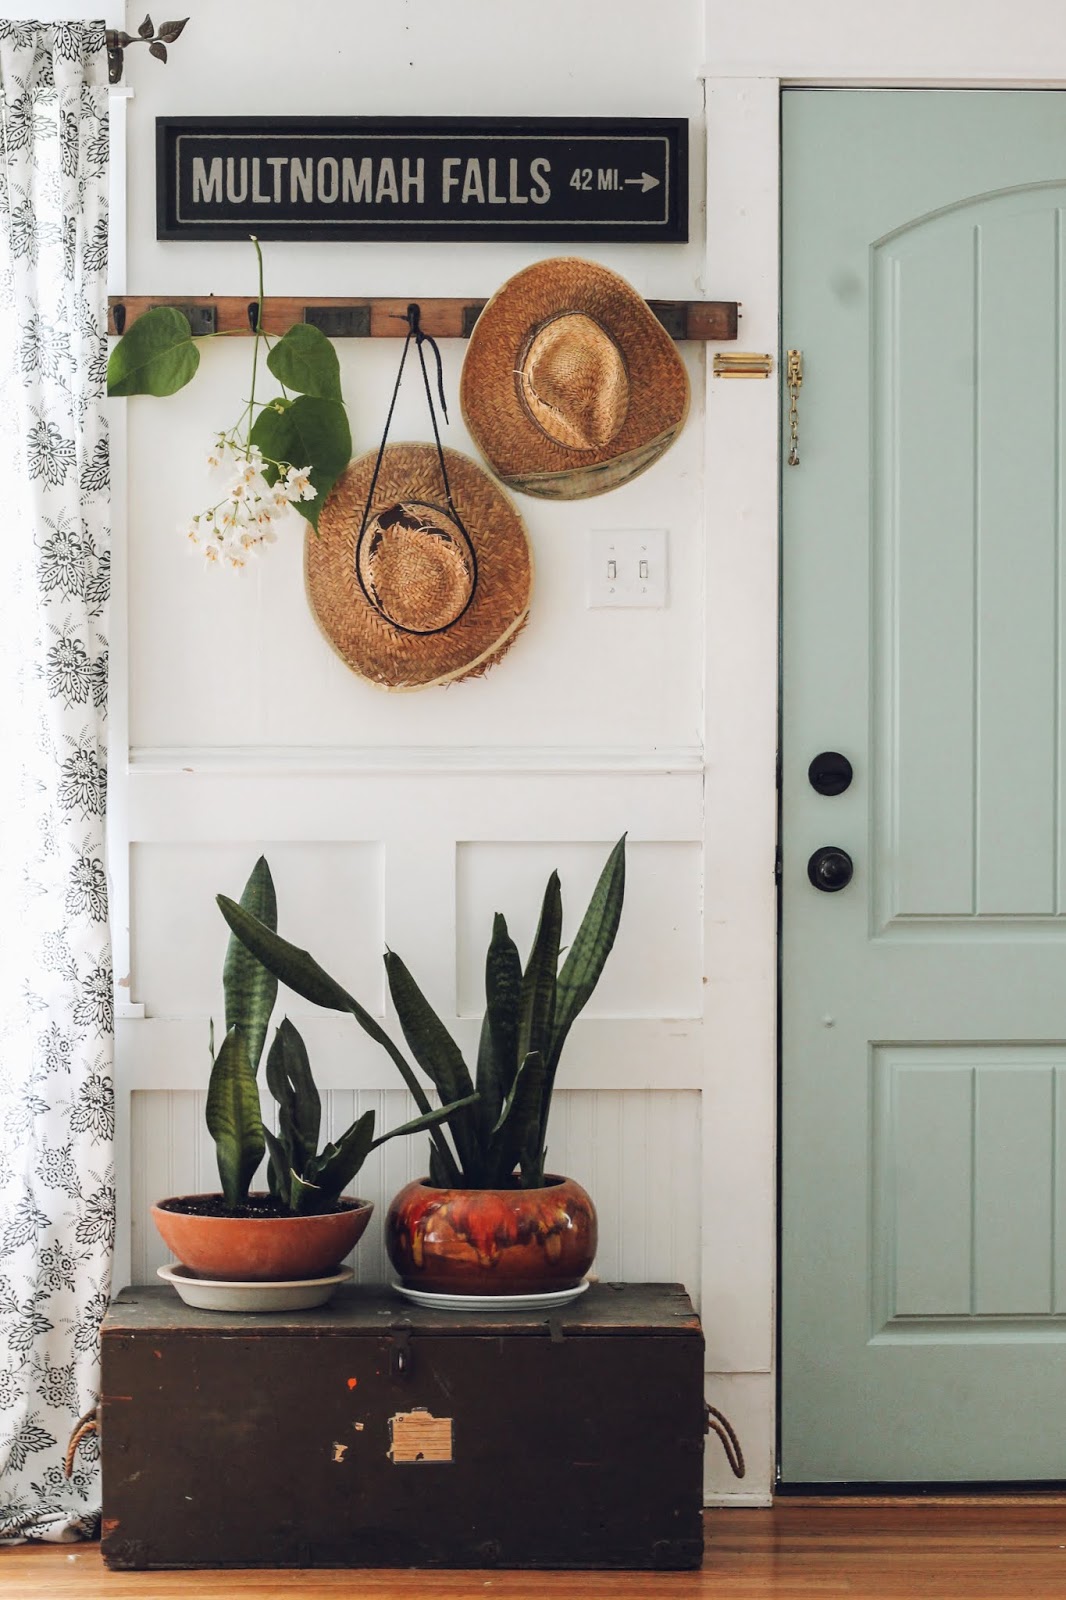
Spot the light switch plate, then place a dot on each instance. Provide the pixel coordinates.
(626, 567)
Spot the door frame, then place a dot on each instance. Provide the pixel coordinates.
(743, 456)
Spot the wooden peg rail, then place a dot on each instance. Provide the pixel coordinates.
(344, 318)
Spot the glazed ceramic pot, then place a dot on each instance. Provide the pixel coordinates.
(491, 1241)
(260, 1249)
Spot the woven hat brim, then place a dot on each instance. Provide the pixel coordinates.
(366, 641)
(516, 448)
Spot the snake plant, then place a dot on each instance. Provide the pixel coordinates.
(500, 1122)
(301, 1177)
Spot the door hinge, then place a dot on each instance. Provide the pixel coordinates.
(777, 864)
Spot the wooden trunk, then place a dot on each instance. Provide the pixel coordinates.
(374, 1433)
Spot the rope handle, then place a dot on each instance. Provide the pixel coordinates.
(85, 1425)
(719, 1424)
(416, 332)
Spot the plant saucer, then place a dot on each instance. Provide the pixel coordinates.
(214, 1294)
(491, 1302)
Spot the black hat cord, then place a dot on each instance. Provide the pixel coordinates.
(420, 337)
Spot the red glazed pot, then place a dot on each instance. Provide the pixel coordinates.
(491, 1241)
(261, 1249)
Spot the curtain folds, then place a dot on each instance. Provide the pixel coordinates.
(57, 1186)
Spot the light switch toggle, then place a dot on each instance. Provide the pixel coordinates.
(626, 567)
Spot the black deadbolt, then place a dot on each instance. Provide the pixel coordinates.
(830, 868)
(830, 773)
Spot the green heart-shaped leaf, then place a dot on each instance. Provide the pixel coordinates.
(307, 431)
(306, 361)
(157, 355)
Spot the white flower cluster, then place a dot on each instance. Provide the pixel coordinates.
(251, 510)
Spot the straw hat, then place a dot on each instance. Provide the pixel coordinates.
(421, 598)
(571, 385)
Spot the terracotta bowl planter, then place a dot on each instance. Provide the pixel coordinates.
(260, 1249)
(491, 1241)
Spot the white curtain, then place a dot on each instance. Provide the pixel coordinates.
(56, 1008)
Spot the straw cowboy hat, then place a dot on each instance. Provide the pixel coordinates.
(408, 593)
(571, 386)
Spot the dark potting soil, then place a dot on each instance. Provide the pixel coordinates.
(255, 1207)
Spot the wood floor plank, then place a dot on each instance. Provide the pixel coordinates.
(979, 1549)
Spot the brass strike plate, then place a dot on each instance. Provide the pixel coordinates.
(742, 364)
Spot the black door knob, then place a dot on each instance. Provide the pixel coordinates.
(830, 772)
(830, 868)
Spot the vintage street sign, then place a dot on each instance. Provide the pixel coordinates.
(422, 178)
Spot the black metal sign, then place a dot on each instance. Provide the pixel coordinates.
(422, 178)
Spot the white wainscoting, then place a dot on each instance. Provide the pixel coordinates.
(636, 1151)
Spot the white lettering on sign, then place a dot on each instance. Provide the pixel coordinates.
(206, 185)
(301, 176)
(473, 188)
(448, 181)
(415, 180)
(386, 189)
(357, 186)
(232, 195)
(538, 172)
(329, 180)
(277, 162)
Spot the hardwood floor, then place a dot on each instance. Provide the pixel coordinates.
(979, 1549)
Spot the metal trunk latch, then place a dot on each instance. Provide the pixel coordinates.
(401, 1355)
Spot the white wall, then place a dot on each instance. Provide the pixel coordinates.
(409, 818)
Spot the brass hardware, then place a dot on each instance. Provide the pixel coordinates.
(742, 364)
(794, 379)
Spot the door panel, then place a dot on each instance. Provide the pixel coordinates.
(924, 1006)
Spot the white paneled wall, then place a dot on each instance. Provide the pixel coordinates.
(408, 820)
(610, 1142)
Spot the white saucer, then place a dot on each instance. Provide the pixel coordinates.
(213, 1294)
(491, 1302)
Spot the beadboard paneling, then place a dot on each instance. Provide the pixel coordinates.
(636, 1151)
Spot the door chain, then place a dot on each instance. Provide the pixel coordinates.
(794, 379)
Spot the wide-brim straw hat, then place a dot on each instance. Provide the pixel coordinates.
(420, 600)
(571, 386)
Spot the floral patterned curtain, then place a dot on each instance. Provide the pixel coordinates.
(56, 1009)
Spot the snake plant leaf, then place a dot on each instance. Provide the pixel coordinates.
(339, 1162)
(156, 356)
(497, 1057)
(289, 1079)
(306, 361)
(249, 987)
(279, 1172)
(516, 1136)
(585, 960)
(304, 1197)
(440, 1114)
(307, 431)
(440, 1058)
(293, 966)
(233, 1118)
(536, 1007)
(439, 1176)
(302, 973)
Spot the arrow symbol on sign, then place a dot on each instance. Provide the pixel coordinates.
(646, 182)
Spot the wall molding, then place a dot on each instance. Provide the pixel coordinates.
(315, 761)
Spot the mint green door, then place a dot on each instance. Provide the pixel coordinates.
(923, 1143)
